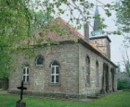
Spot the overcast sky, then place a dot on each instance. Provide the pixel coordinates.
(117, 50)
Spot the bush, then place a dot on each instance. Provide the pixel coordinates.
(123, 84)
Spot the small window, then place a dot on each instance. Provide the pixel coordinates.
(54, 72)
(26, 74)
(39, 60)
(88, 70)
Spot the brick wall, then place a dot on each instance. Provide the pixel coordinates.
(66, 55)
(71, 58)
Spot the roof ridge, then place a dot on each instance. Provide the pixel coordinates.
(71, 26)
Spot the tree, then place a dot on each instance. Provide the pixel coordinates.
(16, 20)
(123, 14)
(122, 9)
(12, 13)
(126, 61)
(18, 16)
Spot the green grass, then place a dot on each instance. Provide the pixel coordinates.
(119, 99)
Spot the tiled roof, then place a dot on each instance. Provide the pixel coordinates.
(57, 31)
(73, 33)
(67, 33)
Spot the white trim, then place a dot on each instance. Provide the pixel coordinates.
(55, 74)
(25, 74)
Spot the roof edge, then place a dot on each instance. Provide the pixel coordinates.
(93, 49)
(100, 37)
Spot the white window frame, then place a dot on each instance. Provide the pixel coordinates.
(26, 74)
(54, 73)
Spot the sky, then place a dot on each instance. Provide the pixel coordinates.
(117, 50)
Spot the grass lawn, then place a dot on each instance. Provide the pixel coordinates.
(118, 99)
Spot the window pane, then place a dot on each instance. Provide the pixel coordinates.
(52, 70)
(57, 79)
(27, 78)
(23, 70)
(88, 78)
(27, 70)
(23, 78)
(57, 70)
(52, 79)
(40, 60)
(89, 70)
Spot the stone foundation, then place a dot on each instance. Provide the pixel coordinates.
(52, 95)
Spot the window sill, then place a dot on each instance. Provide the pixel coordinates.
(39, 66)
(54, 84)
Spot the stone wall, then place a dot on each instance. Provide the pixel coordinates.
(103, 45)
(71, 58)
(66, 55)
(93, 88)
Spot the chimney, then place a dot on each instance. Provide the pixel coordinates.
(86, 32)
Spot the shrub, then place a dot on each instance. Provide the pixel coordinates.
(123, 84)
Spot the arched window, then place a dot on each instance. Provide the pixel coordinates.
(55, 72)
(26, 74)
(39, 60)
(88, 70)
(97, 73)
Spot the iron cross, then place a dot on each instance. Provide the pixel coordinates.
(21, 88)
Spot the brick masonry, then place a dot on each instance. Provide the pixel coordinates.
(71, 58)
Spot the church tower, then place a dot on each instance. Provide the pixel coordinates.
(97, 38)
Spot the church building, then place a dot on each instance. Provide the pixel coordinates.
(69, 69)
